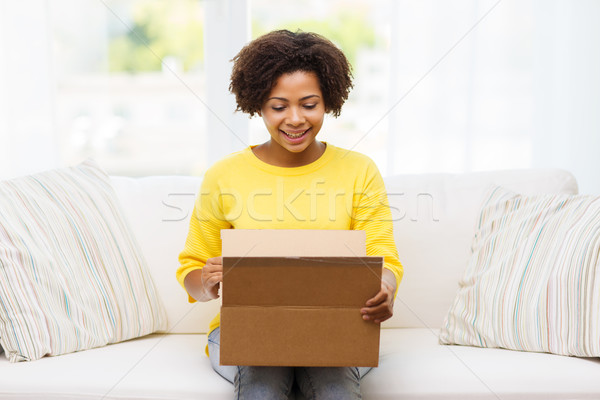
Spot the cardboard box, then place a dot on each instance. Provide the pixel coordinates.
(293, 298)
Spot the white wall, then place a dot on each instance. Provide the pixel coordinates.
(227, 30)
(482, 84)
(567, 85)
(27, 135)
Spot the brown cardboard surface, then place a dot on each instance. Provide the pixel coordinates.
(300, 281)
(300, 310)
(282, 336)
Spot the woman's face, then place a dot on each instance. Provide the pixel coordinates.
(293, 114)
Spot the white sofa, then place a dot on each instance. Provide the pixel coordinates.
(434, 223)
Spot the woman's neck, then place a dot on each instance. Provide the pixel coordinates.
(272, 153)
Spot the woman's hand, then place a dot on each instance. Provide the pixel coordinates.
(203, 284)
(212, 276)
(381, 307)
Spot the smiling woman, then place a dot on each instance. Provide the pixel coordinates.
(305, 77)
(293, 114)
(291, 79)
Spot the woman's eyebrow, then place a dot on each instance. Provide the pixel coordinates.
(309, 96)
(302, 99)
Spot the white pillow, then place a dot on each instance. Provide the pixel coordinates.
(533, 282)
(72, 276)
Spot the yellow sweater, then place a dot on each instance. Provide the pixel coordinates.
(340, 190)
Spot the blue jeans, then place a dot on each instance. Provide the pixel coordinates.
(276, 382)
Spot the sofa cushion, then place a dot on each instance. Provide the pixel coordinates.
(412, 366)
(159, 209)
(72, 276)
(532, 282)
(435, 216)
(158, 366)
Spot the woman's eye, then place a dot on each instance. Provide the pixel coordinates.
(310, 106)
(278, 108)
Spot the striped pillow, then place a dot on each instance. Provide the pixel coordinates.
(533, 282)
(72, 276)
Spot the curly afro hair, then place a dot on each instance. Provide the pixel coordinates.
(261, 62)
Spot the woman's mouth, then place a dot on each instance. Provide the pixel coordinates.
(294, 134)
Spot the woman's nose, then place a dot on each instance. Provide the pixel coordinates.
(296, 117)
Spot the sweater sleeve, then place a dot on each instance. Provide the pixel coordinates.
(204, 235)
(371, 213)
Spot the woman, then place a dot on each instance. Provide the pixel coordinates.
(291, 80)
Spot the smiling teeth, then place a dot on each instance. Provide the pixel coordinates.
(295, 136)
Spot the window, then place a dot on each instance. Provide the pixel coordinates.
(142, 85)
(129, 76)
